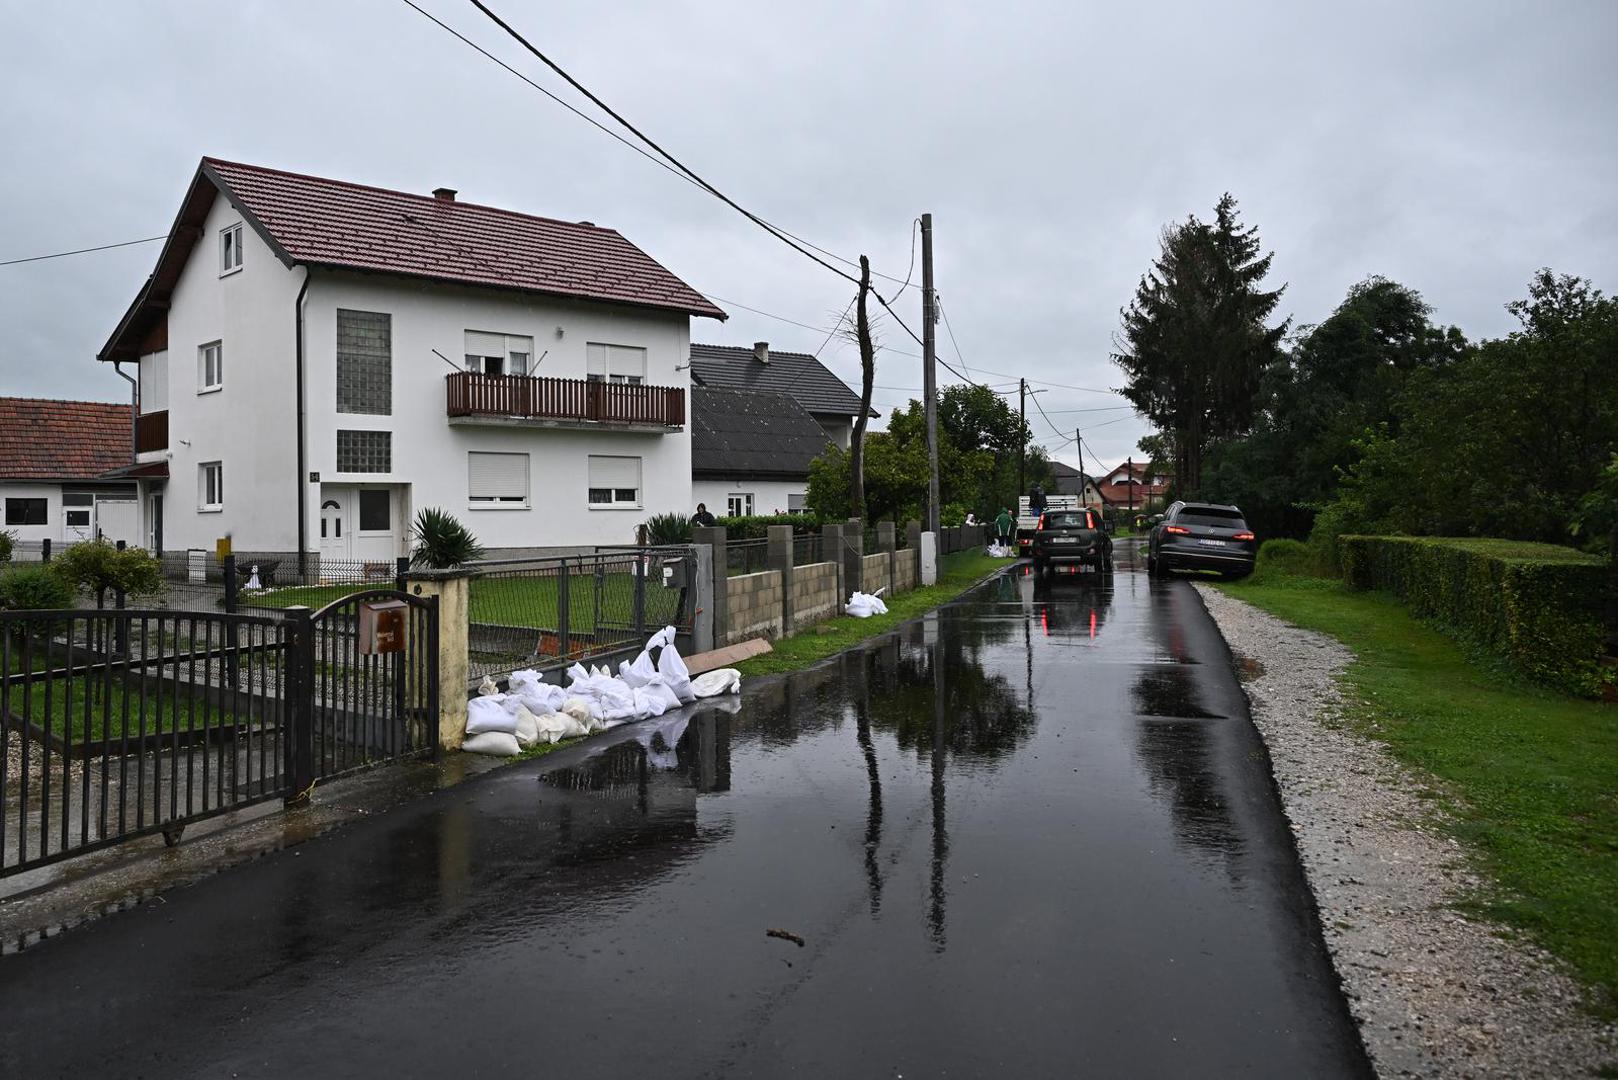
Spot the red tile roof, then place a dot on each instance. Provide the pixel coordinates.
(62, 440)
(335, 223)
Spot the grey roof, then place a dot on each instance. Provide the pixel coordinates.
(811, 383)
(735, 433)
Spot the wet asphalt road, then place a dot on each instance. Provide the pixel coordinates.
(1033, 835)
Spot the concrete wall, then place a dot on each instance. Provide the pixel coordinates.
(753, 606)
(814, 594)
(768, 495)
(905, 564)
(875, 574)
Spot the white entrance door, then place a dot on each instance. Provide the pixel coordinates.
(78, 517)
(334, 531)
(115, 520)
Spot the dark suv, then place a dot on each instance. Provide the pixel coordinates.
(1201, 536)
(1074, 536)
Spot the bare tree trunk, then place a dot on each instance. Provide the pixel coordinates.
(856, 452)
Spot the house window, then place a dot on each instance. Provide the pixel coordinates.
(497, 479)
(376, 510)
(210, 367)
(498, 354)
(614, 482)
(364, 451)
(25, 511)
(230, 249)
(364, 362)
(797, 502)
(739, 504)
(210, 486)
(614, 363)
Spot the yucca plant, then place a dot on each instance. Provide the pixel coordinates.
(670, 528)
(441, 541)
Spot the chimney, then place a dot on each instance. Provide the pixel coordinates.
(761, 351)
(444, 194)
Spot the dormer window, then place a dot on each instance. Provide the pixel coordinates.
(230, 249)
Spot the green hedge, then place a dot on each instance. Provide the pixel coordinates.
(756, 527)
(1537, 605)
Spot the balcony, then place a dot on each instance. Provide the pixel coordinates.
(530, 401)
(151, 432)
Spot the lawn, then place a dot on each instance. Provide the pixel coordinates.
(957, 573)
(1533, 775)
(66, 714)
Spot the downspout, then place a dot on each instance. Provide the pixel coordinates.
(303, 503)
(134, 406)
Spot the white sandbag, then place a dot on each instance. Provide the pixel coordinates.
(488, 687)
(489, 714)
(674, 671)
(864, 605)
(578, 708)
(638, 672)
(493, 743)
(725, 680)
(660, 740)
(554, 727)
(527, 730)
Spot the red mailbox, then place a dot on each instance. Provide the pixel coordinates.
(382, 627)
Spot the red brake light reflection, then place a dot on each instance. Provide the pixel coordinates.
(1244, 536)
(1177, 529)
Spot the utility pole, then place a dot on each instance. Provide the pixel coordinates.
(1022, 444)
(1084, 485)
(929, 380)
(1129, 467)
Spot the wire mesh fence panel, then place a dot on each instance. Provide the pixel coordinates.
(549, 612)
(807, 548)
(275, 583)
(746, 556)
(122, 723)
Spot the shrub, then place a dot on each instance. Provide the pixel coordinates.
(756, 527)
(98, 567)
(34, 588)
(951, 514)
(8, 544)
(670, 528)
(1289, 558)
(441, 541)
(1539, 606)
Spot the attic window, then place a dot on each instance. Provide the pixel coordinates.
(230, 249)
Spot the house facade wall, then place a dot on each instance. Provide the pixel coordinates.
(250, 424)
(768, 495)
(108, 512)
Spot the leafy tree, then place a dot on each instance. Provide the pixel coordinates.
(97, 567)
(1195, 345)
(441, 541)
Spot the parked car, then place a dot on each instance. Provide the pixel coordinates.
(1072, 536)
(1201, 536)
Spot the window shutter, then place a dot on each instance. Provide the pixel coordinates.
(497, 477)
(481, 344)
(595, 359)
(615, 472)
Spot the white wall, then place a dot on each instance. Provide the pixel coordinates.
(768, 495)
(250, 424)
(430, 454)
(52, 529)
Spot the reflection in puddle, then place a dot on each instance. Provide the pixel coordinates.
(1168, 691)
(1178, 761)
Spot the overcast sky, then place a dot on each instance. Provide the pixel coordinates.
(1454, 147)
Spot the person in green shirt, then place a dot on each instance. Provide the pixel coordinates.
(1003, 525)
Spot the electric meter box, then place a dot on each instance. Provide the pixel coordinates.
(676, 574)
(382, 626)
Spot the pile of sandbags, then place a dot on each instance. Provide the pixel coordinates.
(998, 550)
(864, 605)
(533, 711)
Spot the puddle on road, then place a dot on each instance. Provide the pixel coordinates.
(1169, 691)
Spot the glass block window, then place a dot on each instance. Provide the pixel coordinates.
(364, 362)
(364, 451)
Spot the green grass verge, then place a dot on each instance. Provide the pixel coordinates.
(956, 573)
(65, 715)
(1535, 774)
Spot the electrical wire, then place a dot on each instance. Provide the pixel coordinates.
(83, 251)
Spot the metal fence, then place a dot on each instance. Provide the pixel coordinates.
(746, 556)
(548, 612)
(117, 724)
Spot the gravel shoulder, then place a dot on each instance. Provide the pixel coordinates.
(1436, 993)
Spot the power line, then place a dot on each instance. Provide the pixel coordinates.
(83, 251)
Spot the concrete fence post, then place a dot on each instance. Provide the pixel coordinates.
(714, 536)
(887, 541)
(702, 608)
(853, 556)
(453, 590)
(913, 542)
(778, 557)
(831, 550)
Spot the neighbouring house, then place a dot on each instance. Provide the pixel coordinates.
(750, 453)
(55, 461)
(319, 359)
(1069, 482)
(1134, 484)
(799, 376)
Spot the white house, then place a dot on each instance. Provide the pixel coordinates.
(751, 481)
(318, 360)
(55, 457)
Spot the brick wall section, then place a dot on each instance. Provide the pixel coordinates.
(814, 594)
(753, 606)
(875, 573)
(905, 579)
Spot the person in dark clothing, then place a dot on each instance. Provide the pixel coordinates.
(702, 517)
(1036, 500)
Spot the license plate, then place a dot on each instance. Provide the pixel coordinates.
(1212, 543)
(1086, 568)
(1064, 539)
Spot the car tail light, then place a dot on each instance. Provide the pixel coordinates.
(1244, 536)
(1040, 524)
(1182, 530)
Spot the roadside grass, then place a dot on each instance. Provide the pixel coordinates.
(956, 573)
(1534, 774)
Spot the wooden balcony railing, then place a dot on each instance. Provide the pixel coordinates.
(152, 431)
(531, 397)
